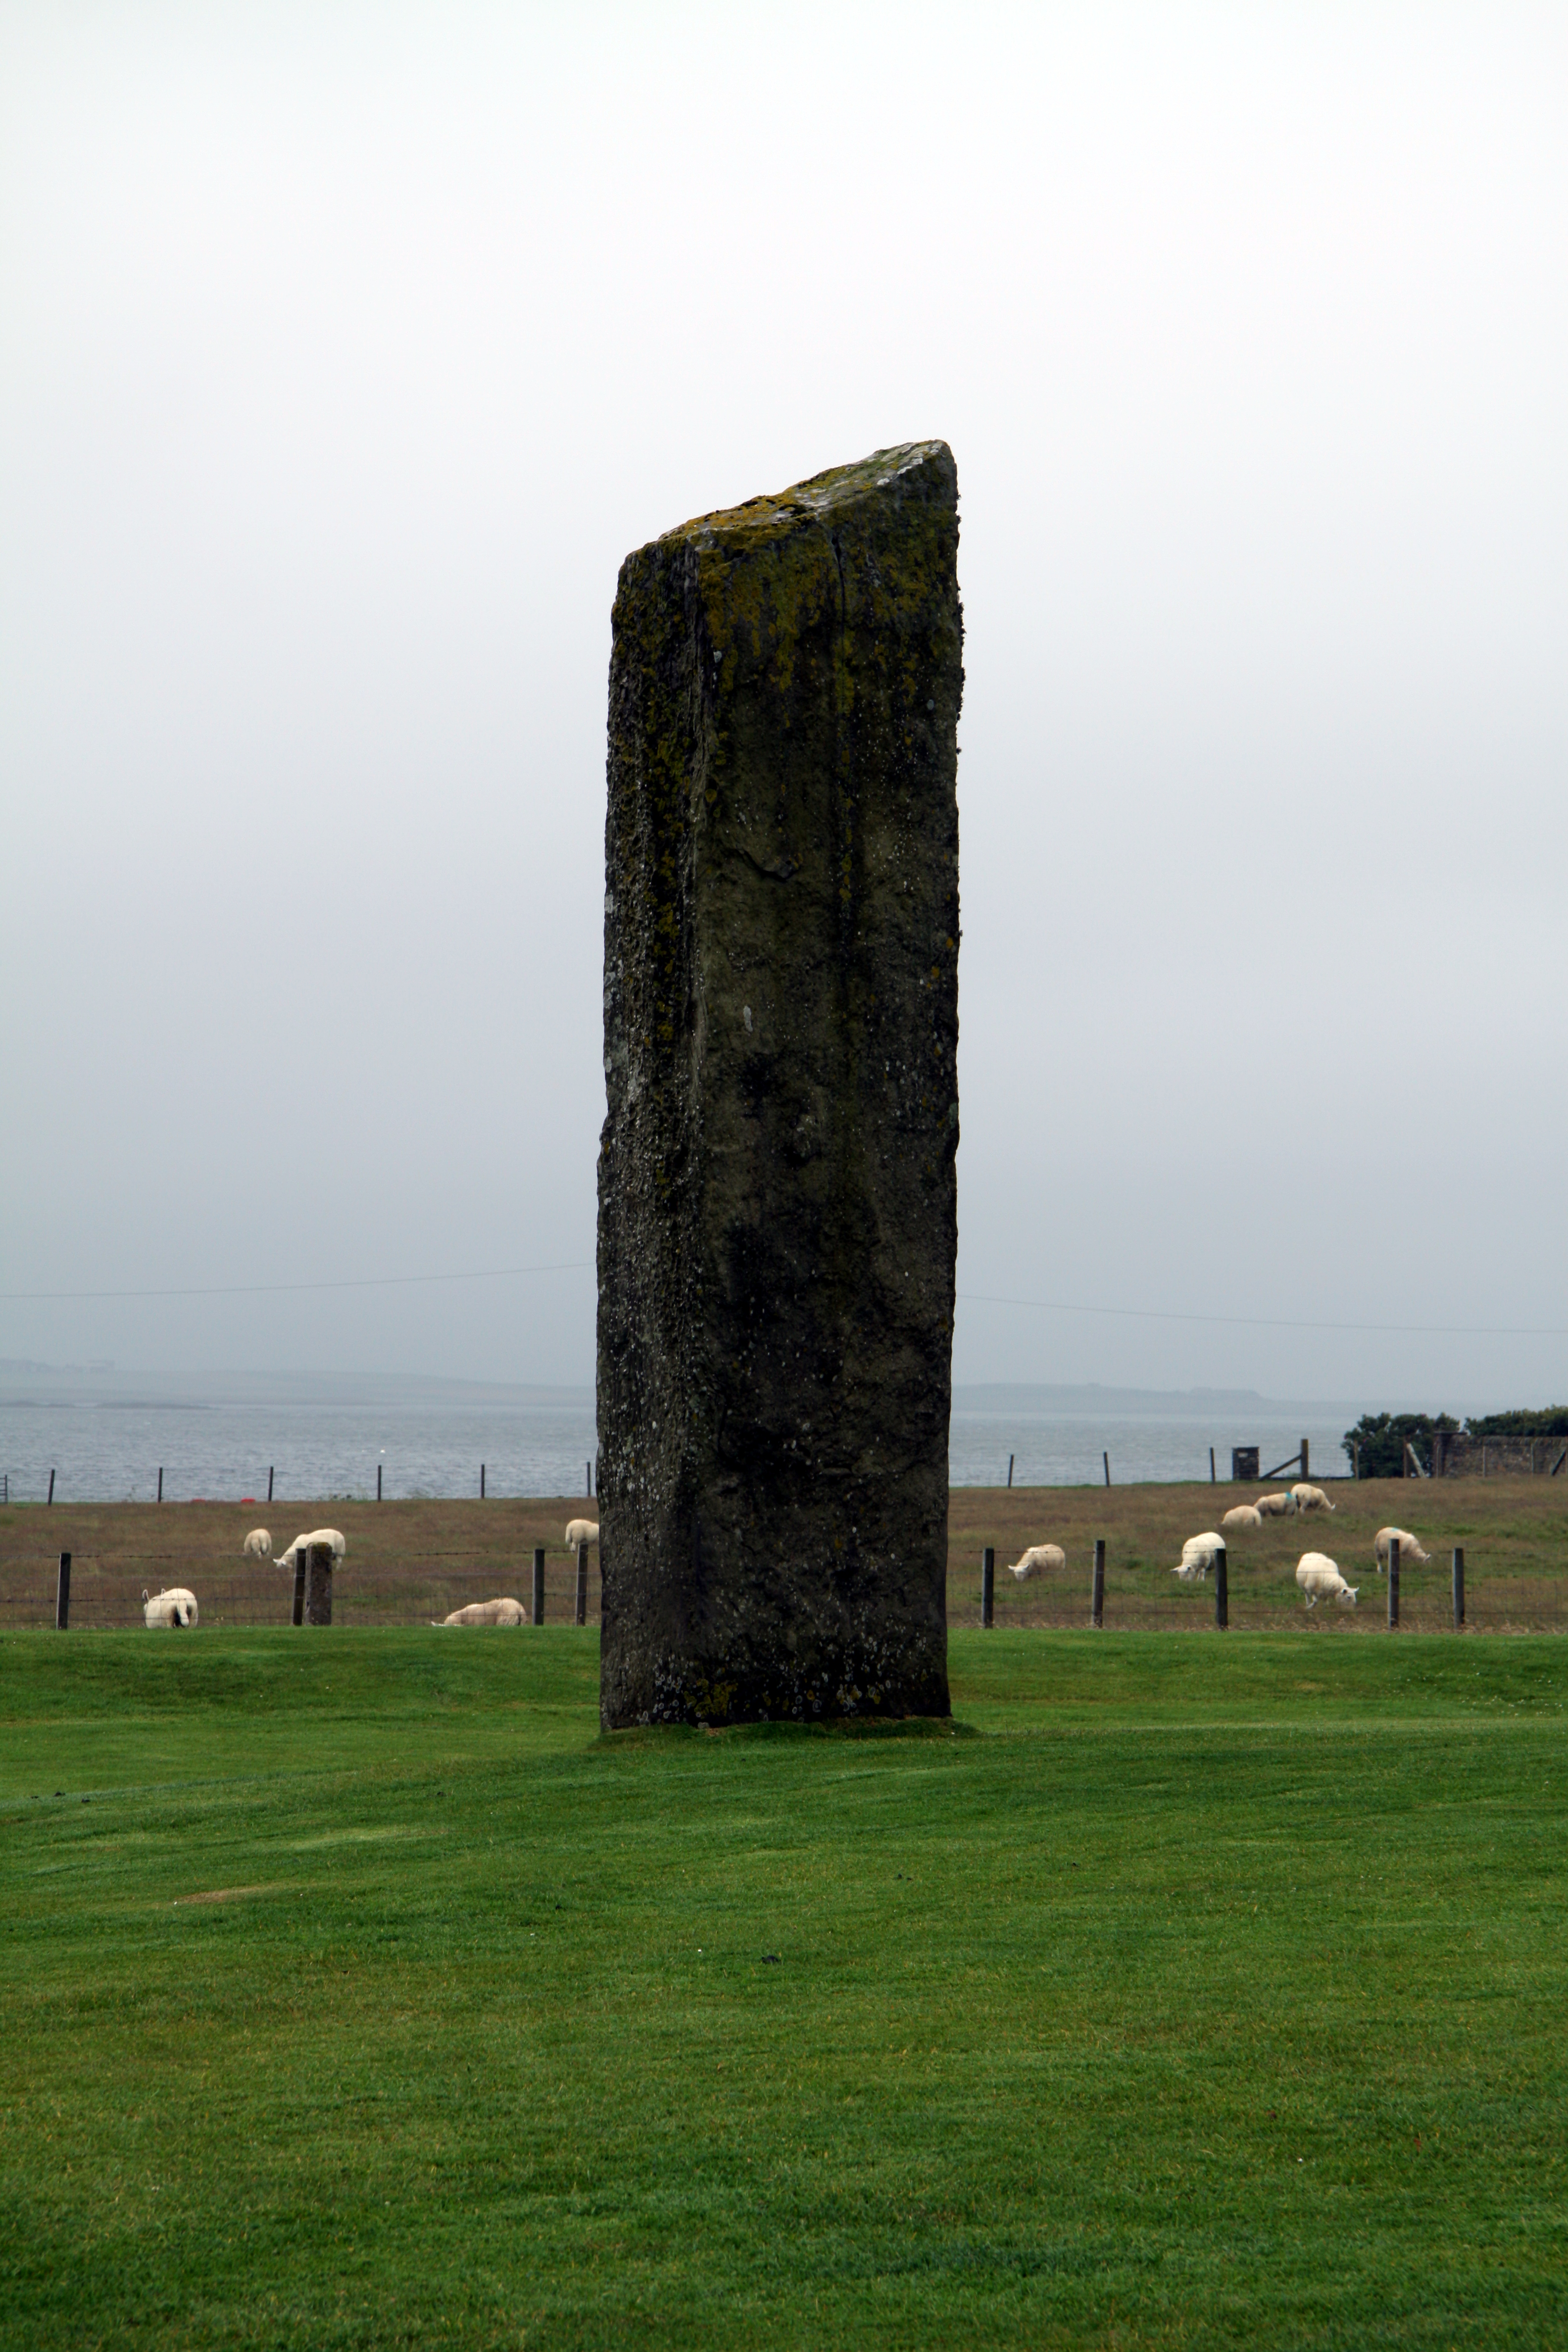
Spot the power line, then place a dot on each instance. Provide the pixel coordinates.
(1278, 1322)
(971, 1297)
(273, 1289)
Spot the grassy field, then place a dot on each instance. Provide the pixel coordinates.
(409, 1561)
(1514, 1532)
(1181, 1993)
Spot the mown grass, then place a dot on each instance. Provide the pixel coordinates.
(1200, 1991)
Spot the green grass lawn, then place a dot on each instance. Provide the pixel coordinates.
(1192, 1991)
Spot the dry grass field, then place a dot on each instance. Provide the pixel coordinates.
(1514, 1532)
(410, 1562)
(407, 1561)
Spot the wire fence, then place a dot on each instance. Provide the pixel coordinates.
(1497, 1599)
(106, 1590)
(492, 1482)
(409, 1561)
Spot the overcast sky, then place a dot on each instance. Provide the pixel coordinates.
(346, 351)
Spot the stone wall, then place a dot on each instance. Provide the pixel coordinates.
(1456, 1455)
(777, 1196)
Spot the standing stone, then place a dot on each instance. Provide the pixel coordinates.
(777, 1192)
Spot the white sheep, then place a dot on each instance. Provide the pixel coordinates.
(1320, 1580)
(1409, 1547)
(1311, 1498)
(257, 1545)
(580, 1531)
(328, 1536)
(1197, 1556)
(486, 1612)
(1038, 1556)
(1242, 1515)
(176, 1607)
(1276, 1507)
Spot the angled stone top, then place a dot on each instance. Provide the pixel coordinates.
(922, 466)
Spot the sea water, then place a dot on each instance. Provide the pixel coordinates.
(108, 1449)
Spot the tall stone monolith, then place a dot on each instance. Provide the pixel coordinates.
(777, 1198)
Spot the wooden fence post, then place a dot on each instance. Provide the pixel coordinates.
(1393, 1582)
(588, 1479)
(378, 1482)
(1096, 1590)
(581, 1616)
(987, 1583)
(52, 1486)
(271, 1467)
(318, 1584)
(538, 1618)
(1211, 1466)
(298, 1616)
(1011, 1459)
(1458, 1588)
(63, 1594)
(481, 1482)
(1106, 1459)
(1222, 1588)
(1306, 1460)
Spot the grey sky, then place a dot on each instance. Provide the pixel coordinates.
(347, 351)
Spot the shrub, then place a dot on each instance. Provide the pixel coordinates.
(1544, 1420)
(1381, 1438)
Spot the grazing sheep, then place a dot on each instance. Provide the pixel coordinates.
(328, 1536)
(581, 1531)
(1320, 1580)
(257, 1545)
(1039, 1556)
(1197, 1556)
(1276, 1507)
(1409, 1547)
(1311, 1498)
(1242, 1515)
(486, 1612)
(176, 1607)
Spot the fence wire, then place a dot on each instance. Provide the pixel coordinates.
(106, 1591)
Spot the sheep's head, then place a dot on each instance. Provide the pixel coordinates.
(1347, 1595)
